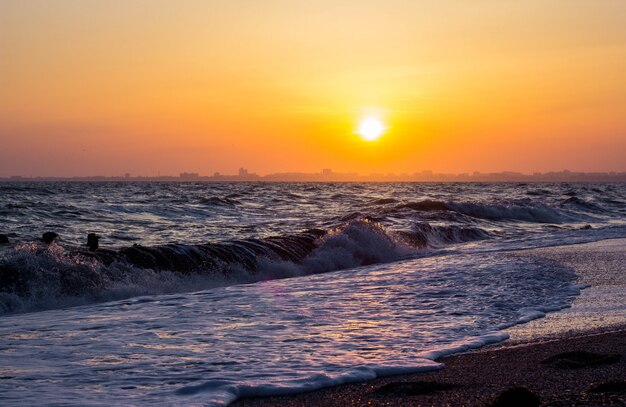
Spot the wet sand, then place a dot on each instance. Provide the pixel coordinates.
(575, 357)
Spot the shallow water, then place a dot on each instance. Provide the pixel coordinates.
(283, 335)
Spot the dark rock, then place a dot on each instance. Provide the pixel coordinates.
(610, 387)
(4, 239)
(49, 237)
(580, 359)
(413, 388)
(92, 242)
(586, 227)
(517, 397)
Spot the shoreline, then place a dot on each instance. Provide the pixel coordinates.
(479, 377)
(595, 322)
(601, 270)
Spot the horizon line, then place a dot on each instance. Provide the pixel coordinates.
(328, 175)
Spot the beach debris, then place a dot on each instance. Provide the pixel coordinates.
(413, 388)
(49, 237)
(580, 359)
(92, 242)
(4, 239)
(517, 397)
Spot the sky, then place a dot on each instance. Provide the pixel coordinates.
(90, 87)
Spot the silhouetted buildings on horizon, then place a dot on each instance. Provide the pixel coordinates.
(328, 175)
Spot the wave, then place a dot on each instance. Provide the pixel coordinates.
(529, 213)
(425, 235)
(217, 201)
(16, 206)
(426, 205)
(582, 204)
(539, 192)
(35, 276)
(537, 213)
(384, 201)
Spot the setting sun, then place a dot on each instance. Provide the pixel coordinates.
(371, 128)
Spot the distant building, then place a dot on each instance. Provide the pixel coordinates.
(327, 171)
(189, 175)
(243, 172)
(127, 175)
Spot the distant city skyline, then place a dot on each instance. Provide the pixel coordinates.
(328, 175)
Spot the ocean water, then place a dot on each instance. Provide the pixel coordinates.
(187, 301)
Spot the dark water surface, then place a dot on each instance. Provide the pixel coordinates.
(159, 213)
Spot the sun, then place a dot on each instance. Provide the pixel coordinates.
(371, 128)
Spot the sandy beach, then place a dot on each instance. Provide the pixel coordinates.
(576, 356)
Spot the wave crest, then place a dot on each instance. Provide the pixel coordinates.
(520, 212)
(36, 276)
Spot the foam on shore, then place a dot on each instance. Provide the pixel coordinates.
(600, 267)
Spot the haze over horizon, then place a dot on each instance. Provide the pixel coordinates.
(147, 87)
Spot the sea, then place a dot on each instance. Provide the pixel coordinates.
(203, 293)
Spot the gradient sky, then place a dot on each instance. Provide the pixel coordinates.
(147, 86)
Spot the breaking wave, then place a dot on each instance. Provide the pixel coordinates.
(519, 212)
(34, 276)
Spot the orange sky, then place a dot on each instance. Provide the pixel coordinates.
(148, 86)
